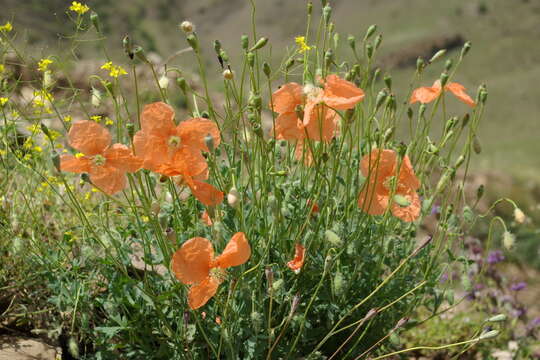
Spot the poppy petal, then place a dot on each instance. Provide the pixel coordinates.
(191, 263)
(192, 133)
(341, 94)
(120, 157)
(303, 152)
(379, 164)
(372, 202)
(108, 178)
(424, 94)
(187, 161)
(73, 164)
(286, 98)
(158, 118)
(320, 122)
(153, 150)
(205, 218)
(237, 252)
(459, 91)
(89, 137)
(206, 193)
(298, 261)
(200, 294)
(407, 177)
(412, 211)
(287, 127)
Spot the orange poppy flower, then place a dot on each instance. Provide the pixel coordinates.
(313, 206)
(106, 164)
(194, 264)
(427, 94)
(380, 167)
(299, 257)
(177, 150)
(205, 218)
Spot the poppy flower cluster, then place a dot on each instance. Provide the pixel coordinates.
(160, 146)
(309, 112)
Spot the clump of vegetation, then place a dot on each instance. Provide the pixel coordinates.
(281, 221)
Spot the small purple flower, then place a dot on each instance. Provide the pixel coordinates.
(518, 286)
(495, 257)
(436, 209)
(444, 278)
(534, 323)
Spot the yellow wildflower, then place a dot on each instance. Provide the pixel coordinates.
(38, 149)
(53, 134)
(28, 143)
(79, 155)
(114, 70)
(87, 196)
(2, 68)
(145, 218)
(108, 121)
(96, 118)
(78, 7)
(3, 152)
(7, 27)
(68, 118)
(301, 42)
(43, 64)
(15, 114)
(3, 101)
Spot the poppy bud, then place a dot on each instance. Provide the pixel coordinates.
(450, 124)
(139, 53)
(352, 41)
(223, 55)
(338, 283)
(182, 84)
(193, 42)
(489, 335)
(328, 57)
(519, 216)
(369, 50)
(420, 64)
(209, 142)
(477, 147)
(205, 114)
(468, 215)
(437, 55)
(465, 49)
(465, 120)
(96, 97)
(266, 69)
(233, 197)
(421, 110)
(128, 46)
(309, 8)
(244, 41)
(278, 284)
(73, 347)
(448, 64)
(370, 31)
(259, 44)
(388, 133)
(378, 41)
(443, 181)
(388, 82)
(497, 318)
(163, 81)
(217, 46)
(94, 18)
(480, 192)
(483, 96)
(251, 59)
(228, 74)
(131, 130)
(381, 97)
(333, 238)
(391, 102)
(289, 64)
(255, 101)
(509, 240)
(444, 79)
(327, 12)
(187, 26)
(459, 161)
(85, 178)
(401, 323)
(56, 161)
(410, 113)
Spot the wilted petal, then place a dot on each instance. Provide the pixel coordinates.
(157, 119)
(200, 294)
(287, 97)
(121, 157)
(191, 263)
(89, 137)
(192, 133)
(299, 256)
(236, 252)
(77, 165)
(459, 91)
(108, 178)
(341, 94)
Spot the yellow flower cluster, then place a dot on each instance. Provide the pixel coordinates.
(43, 64)
(301, 42)
(96, 118)
(42, 100)
(7, 27)
(78, 7)
(2, 68)
(114, 70)
(3, 101)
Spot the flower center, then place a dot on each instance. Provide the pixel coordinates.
(312, 92)
(218, 274)
(99, 160)
(389, 182)
(174, 141)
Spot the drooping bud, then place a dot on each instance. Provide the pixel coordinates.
(228, 74)
(509, 240)
(233, 197)
(388, 81)
(187, 27)
(182, 84)
(96, 97)
(94, 18)
(259, 44)
(437, 55)
(381, 97)
(388, 133)
(465, 120)
(519, 216)
(448, 64)
(217, 46)
(465, 49)
(163, 81)
(244, 41)
(370, 31)
(378, 41)
(352, 41)
(266, 69)
(420, 64)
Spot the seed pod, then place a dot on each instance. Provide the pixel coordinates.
(139, 53)
(73, 347)
(193, 42)
(352, 41)
(338, 283)
(244, 41)
(465, 49)
(259, 44)
(266, 69)
(437, 55)
(94, 18)
(228, 74)
(327, 12)
(370, 31)
(477, 147)
(187, 26)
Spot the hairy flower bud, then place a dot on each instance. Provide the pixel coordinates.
(228, 74)
(233, 197)
(187, 26)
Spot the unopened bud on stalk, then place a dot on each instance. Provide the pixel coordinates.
(410, 113)
(163, 81)
(369, 51)
(378, 41)
(95, 97)
(448, 64)
(465, 120)
(131, 130)
(381, 97)
(465, 49)
(266, 69)
(443, 181)
(388, 81)
(94, 18)
(327, 12)
(244, 41)
(193, 42)
(223, 55)
(56, 161)
(509, 240)
(139, 53)
(401, 323)
(420, 64)
(333, 238)
(356, 69)
(209, 142)
(309, 7)
(459, 161)
(437, 55)
(480, 192)
(259, 44)
(482, 96)
(187, 27)
(228, 74)
(233, 197)
(331, 30)
(352, 41)
(289, 64)
(450, 124)
(444, 79)
(370, 31)
(329, 57)
(477, 147)
(497, 318)
(519, 216)
(255, 101)
(251, 59)
(217, 46)
(85, 178)
(47, 79)
(182, 84)
(388, 133)
(489, 335)
(468, 215)
(128, 46)
(376, 74)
